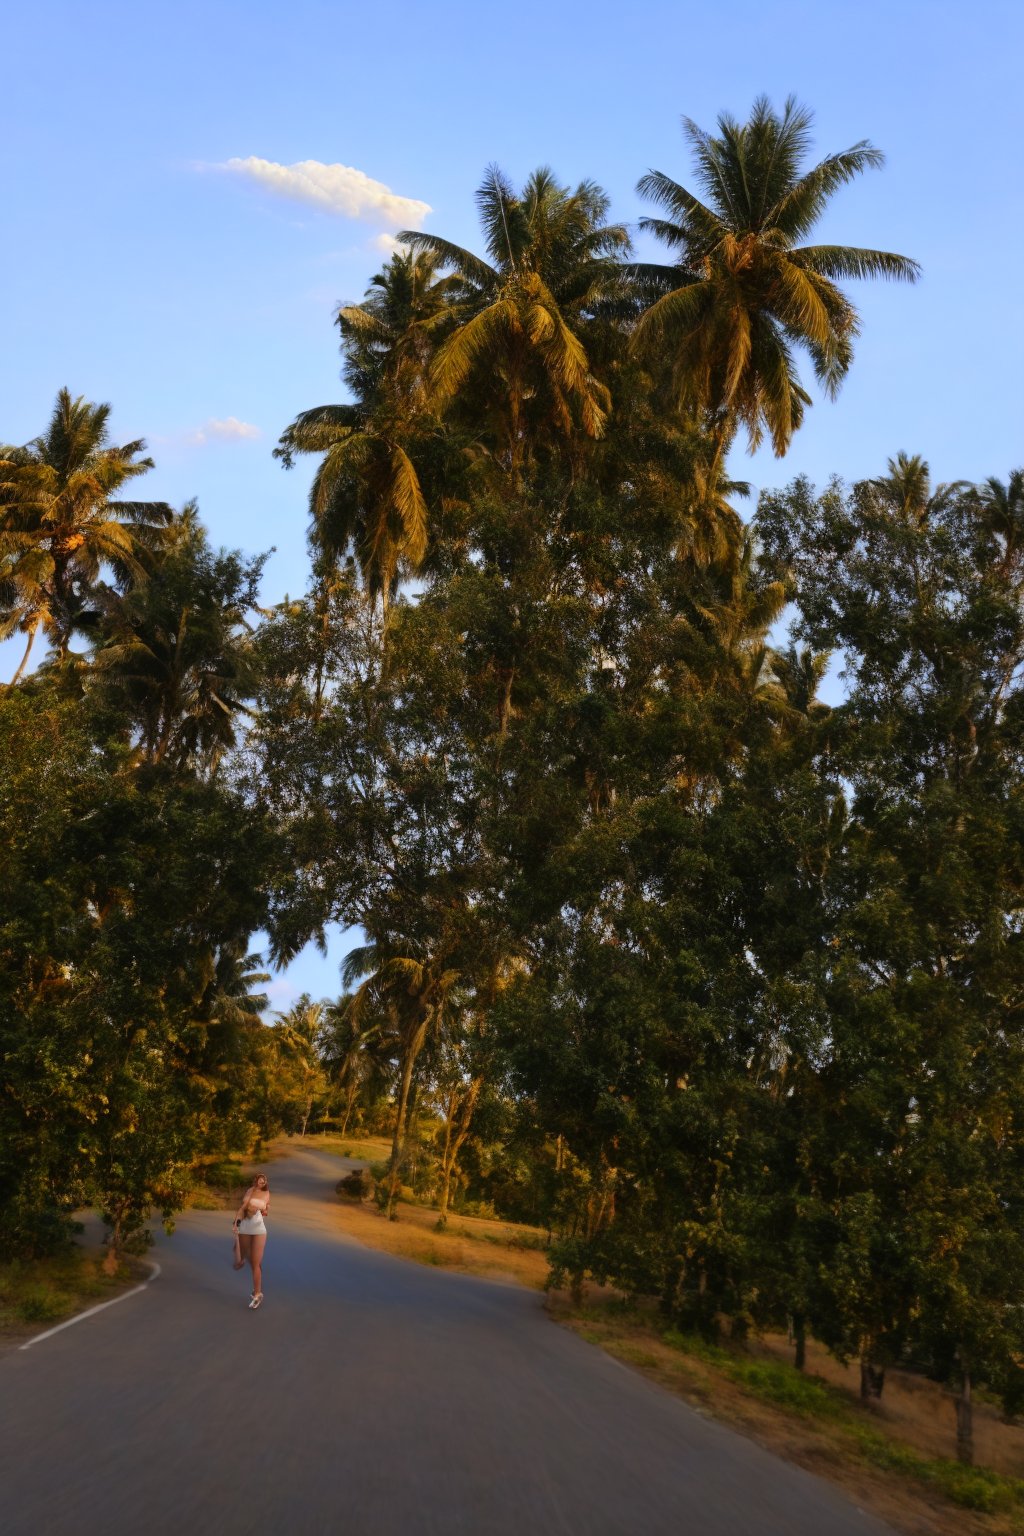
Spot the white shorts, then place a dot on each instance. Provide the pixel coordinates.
(252, 1226)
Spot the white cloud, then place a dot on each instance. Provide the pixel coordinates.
(387, 243)
(338, 189)
(228, 430)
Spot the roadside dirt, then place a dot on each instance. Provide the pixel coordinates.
(906, 1505)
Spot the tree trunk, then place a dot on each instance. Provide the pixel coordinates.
(398, 1142)
(112, 1257)
(453, 1146)
(799, 1340)
(965, 1416)
(872, 1381)
(305, 1118)
(350, 1101)
(21, 665)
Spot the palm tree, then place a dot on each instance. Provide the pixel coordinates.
(516, 355)
(907, 488)
(722, 651)
(417, 994)
(300, 1035)
(178, 650)
(60, 524)
(744, 291)
(228, 1008)
(1003, 507)
(366, 492)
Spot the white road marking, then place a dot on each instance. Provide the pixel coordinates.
(80, 1317)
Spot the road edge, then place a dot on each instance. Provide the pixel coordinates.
(102, 1306)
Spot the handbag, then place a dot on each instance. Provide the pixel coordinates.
(237, 1261)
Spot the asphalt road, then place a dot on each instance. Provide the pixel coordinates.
(367, 1397)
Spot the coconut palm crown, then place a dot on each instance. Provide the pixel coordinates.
(366, 492)
(61, 524)
(745, 291)
(553, 261)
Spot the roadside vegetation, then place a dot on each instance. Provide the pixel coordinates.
(40, 1293)
(714, 987)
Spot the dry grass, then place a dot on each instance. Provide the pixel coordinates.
(471, 1245)
(495, 1250)
(888, 1462)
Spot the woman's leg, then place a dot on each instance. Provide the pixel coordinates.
(245, 1243)
(259, 1242)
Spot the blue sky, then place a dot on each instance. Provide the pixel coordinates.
(137, 269)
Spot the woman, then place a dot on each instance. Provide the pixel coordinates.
(251, 1230)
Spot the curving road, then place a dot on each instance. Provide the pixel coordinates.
(367, 1397)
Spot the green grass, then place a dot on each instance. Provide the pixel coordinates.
(808, 1398)
(49, 1290)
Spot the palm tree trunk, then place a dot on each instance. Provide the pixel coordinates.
(455, 1136)
(398, 1142)
(21, 665)
(350, 1100)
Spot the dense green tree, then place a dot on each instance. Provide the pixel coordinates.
(124, 884)
(921, 591)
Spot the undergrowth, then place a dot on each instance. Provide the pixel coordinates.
(49, 1290)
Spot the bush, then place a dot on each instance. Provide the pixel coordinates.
(39, 1304)
(36, 1234)
(357, 1185)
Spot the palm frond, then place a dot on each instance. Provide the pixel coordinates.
(468, 266)
(456, 358)
(836, 261)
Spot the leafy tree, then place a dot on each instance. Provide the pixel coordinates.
(131, 886)
(921, 589)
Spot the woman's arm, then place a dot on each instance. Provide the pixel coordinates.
(241, 1209)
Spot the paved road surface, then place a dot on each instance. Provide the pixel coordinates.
(368, 1397)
